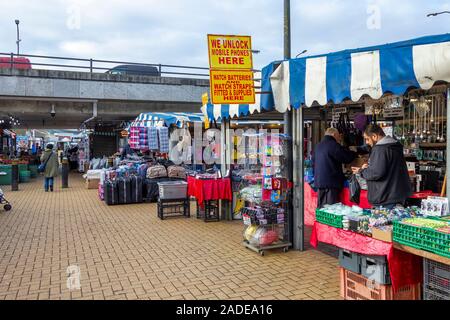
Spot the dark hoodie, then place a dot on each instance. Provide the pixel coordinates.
(387, 175)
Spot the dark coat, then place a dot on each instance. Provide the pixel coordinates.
(387, 175)
(328, 159)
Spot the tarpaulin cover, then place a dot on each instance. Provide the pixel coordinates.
(311, 202)
(405, 268)
(209, 189)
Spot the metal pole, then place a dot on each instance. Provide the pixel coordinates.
(14, 176)
(18, 39)
(294, 215)
(225, 164)
(448, 142)
(65, 173)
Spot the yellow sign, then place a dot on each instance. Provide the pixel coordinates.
(232, 87)
(230, 52)
(205, 98)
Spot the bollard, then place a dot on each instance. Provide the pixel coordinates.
(65, 173)
(14, 176)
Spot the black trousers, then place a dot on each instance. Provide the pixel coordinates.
(328, 196)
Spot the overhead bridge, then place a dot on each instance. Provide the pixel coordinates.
(29, 95)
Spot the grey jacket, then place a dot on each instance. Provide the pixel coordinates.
(387, 175)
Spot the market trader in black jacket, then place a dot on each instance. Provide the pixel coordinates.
(387, 176)
(329, 156)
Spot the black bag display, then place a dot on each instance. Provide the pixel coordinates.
(111, 193)
(124, 186)
(136, 189)
(355, 189)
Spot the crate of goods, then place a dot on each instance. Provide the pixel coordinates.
(383, 233)
(330, 219)
(172, 190)
(34, 170)
(424, 234)
(5, 175)
(24, 176)
(350, 260)
(375, 268)
(359, 223)
(357, 287)
(436, 280)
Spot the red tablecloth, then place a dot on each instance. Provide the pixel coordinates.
(311, 202)
(209, 189)
(404, 268)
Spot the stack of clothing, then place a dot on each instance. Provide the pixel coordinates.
(138, 139)
(133, 139)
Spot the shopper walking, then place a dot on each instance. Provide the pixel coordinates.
(328, 157)
(387, 176)
(50, 159)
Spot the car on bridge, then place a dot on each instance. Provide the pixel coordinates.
(134, 69)
(17, 63)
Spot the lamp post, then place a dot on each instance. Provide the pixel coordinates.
(436, 14)
(303, 52)
(18, 38)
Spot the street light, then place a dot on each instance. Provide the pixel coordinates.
(18, 39)
(303, 52)
(437, 13)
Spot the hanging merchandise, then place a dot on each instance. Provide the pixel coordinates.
(153, 143)
(163, 133)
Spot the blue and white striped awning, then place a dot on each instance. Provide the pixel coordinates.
(169, 118)
(352, 74)
(262, 103)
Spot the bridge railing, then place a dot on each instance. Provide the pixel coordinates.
(15, 61)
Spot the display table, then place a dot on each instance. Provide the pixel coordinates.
(209, 189)
(311, 199)
(422, 253)
(405, 268)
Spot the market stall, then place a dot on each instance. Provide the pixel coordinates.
(408, 79)
(254, 155)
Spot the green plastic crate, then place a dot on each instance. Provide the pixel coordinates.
(422, 238)
(23, 167)
(34, 170)
(5, 179)
(329, 218)
(24, 176)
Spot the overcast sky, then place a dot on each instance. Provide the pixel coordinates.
(174, 31)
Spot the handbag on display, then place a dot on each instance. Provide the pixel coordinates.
(176, 172)
(157, 171)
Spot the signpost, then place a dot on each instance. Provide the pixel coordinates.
(231, 65)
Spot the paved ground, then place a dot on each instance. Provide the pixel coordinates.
(126, 252)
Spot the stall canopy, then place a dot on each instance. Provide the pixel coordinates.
(176, 118)
(351, 74)
(263, 102)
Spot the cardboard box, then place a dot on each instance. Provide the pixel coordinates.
(382, 233)
(92, 183)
